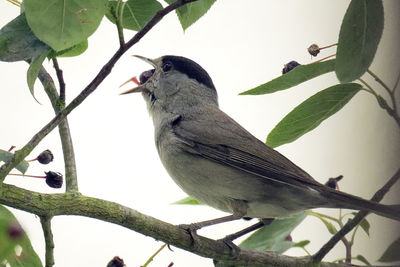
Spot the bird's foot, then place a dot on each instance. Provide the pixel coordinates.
(192, 230)
(228, 241)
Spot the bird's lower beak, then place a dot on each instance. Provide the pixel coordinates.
(136, 89)
(140, 86)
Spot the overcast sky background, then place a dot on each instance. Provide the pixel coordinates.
(241, 46)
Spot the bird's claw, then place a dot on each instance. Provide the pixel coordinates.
(235, 250)
(192, 230)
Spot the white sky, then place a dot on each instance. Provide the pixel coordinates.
(241, 46)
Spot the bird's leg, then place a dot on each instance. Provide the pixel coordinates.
(193, 227)
(228, 240)
(199, 225)
(251, 228)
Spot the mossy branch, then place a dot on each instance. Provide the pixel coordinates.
(48, 238)
(57, 102)
(72, 203)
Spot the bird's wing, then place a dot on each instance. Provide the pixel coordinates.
(197, 135)
(235, 146)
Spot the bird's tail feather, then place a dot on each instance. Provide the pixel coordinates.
(348, 201)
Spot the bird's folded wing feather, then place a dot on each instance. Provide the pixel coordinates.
(216, 136)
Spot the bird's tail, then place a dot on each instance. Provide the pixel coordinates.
(347, 201)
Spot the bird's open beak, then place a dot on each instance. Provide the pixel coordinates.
(140, 86)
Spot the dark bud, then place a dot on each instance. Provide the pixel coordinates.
(54, 179)
(171, 264)
(313, 50)
(333, 182)
(146, 75)
(14, 230)
(289, 238)
(289, 66)
(45, 157)
(116, 262)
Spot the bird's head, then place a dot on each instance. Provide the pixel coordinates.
(174, 84)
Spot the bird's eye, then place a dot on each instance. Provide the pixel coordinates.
(167, 66)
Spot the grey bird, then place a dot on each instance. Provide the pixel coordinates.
(218, 162)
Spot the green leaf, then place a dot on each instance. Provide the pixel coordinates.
(63, 24)
(302, 244)
(190, 13)
(392, 253)
(363, 260)
(331, 229)
(33, 71)
(309, 114)
(12, 236)
(188, 201)
(6, 156)
(17, 41)
(364, 224)
(359, 36)
(272, 237)
(135, 14)
(294, 77)
(74, 51)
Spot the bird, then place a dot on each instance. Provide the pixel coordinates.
(215, 160)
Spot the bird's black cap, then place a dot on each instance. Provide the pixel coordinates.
(190, 68)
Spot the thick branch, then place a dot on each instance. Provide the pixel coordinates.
(48, 238)
(103, 73)
(71, 179)
(49, 205)
(356, 220)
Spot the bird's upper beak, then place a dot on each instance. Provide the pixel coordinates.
(141, 85)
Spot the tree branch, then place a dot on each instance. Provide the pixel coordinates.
(71, 179)
(49, 205)
(60, 79)
(19, 155)
(356, 220)
(48, 238)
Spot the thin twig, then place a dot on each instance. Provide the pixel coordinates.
(15, 2)
(153, 256)
(347, 245)
(327, 46)
(370, 89)
(103, 73)
(383, 103)
(317, 257)
(396, 83)
(118, 21)
(60, 78)
(393, 95)
(48, 238)
(322, 59)
(379, 81)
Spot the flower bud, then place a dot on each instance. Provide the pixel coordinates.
(45, 157)
(116, 262)
(54, 179)
(313, 50)
(289, 66)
